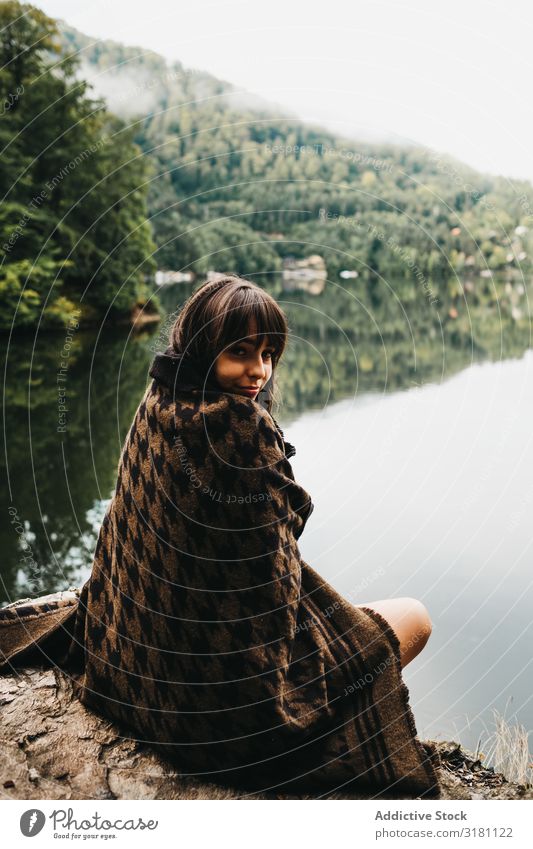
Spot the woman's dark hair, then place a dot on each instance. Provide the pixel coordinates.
(218, 314)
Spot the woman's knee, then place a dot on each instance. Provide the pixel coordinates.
(421, 625)
(409, 619)
(421, 614)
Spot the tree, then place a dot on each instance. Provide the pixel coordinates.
(73, 224)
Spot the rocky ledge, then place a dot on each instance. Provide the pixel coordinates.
(54, 748)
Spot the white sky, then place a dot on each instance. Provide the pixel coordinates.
(455, 76)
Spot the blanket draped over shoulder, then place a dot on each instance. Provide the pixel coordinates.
(201, 628)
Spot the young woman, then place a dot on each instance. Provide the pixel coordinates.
(245, 369)
(201, 628)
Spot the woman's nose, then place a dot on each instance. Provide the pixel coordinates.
(257, 368)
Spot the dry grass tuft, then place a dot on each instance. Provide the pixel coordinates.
(507, 751)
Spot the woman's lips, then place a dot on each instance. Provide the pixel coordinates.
(250, 391)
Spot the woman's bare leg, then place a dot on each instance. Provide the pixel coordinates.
(409, 620)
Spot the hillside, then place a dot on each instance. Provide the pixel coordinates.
(240, 184)
(117, 162)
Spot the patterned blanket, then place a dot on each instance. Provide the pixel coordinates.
(202, 629)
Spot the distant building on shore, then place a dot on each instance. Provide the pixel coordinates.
(307, 275)
(163, 278)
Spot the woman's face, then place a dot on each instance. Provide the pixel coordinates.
(243, 369)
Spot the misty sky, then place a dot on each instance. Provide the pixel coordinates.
(455, 76)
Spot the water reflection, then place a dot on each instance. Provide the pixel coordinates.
(61, 451)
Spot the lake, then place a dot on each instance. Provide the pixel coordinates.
(414, 442)
(429, 493)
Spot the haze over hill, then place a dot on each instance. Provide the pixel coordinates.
(233, 170)
(450, 76)
(135, 81)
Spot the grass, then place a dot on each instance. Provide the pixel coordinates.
(507, 750)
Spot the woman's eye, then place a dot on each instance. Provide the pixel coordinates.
(238, 350)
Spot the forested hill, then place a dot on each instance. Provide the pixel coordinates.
(116, 162)
(241, 184)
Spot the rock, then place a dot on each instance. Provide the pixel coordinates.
(463, 776)
(55, 748)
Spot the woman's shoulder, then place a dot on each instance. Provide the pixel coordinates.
(214, 412)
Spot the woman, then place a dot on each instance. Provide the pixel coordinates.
(201, 628)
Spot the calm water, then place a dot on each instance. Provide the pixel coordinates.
(429, 493)
(414, 442)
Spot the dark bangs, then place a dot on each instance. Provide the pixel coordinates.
(222, 312)
(243, 308)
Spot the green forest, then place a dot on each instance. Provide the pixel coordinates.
(179, 173)
(74, 235)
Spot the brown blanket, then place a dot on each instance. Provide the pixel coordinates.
(203, 631)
